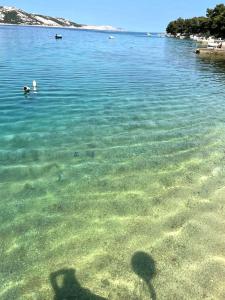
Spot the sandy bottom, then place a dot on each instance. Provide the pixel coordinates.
(90, 227)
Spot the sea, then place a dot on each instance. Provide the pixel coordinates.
(112, 172)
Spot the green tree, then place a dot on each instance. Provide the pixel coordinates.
(213, 23)
(216, 18)
(12, 17)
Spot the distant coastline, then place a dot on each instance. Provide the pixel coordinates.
(13, 16)
(84, 27)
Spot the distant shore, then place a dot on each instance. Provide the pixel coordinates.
(83, 27)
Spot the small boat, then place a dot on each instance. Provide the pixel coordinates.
(58, 36)
(148, 34)
(111, 37)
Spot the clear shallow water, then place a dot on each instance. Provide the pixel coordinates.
(120, 151)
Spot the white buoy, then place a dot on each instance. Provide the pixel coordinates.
(34, 85)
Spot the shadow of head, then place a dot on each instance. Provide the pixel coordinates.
(66, 286)
(143, 265)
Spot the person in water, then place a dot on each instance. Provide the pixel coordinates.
(26, 89)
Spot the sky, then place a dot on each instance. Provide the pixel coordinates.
(134, 15)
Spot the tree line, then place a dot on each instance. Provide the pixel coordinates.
(212, 24)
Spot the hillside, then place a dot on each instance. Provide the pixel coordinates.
(12, 15)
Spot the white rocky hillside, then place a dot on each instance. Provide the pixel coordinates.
(12, 15)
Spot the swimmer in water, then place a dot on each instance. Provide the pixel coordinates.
(26, 89)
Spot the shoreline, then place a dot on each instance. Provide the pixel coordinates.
(84, 27)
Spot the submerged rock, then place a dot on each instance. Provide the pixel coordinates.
(90, 154)
(211, 52)
(76, 154)
(61, 177)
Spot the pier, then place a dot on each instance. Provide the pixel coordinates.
(211, 52)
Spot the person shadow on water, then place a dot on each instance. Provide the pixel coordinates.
(67, 287)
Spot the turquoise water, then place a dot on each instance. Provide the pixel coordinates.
(112, 174)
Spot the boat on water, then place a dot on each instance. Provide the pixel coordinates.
(111, 37)
(148, 34)
(58, 36)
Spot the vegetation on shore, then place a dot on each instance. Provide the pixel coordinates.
(212, 24)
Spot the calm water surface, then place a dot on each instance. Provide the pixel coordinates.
(111, 175)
